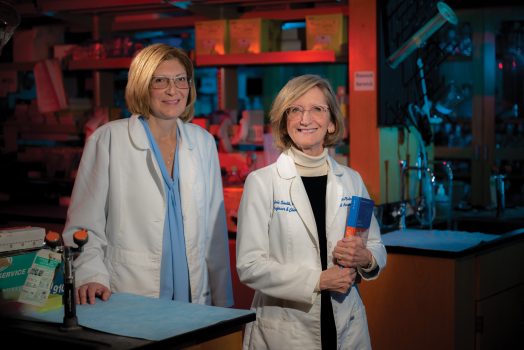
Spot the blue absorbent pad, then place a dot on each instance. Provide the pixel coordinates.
(439, 240)
(143, 317)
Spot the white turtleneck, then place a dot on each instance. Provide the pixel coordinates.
(309, 165)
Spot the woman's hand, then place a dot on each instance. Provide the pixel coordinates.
(352, 252)
(88, 292)
(337, 279)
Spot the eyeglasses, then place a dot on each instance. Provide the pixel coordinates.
(296, 112)
(161, 82)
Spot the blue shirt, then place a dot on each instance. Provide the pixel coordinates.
(174, 275)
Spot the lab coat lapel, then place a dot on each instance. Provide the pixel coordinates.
(333, 192)
(139, 138)
(298, 195)
(188, 168)
(301, 202)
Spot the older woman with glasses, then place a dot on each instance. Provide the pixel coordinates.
(149, 192)
(291, 222)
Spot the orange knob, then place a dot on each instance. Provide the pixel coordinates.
(80, 237)
(53, 239)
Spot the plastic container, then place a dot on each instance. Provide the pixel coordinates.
(442, 203)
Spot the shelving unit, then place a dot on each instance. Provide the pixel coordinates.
(43, 128)
(106, 63)
(17, 66)
(491, 151)
(265, 58)
(451, 153)
(108, 20)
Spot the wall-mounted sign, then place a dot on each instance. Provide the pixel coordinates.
(364, 81)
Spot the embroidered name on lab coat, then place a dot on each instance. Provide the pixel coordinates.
(282, 205)
(345, 201)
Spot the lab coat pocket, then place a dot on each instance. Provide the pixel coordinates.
(355, 335)
(133, 272)
(271, 334)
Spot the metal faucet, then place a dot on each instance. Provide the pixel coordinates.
(427, 196)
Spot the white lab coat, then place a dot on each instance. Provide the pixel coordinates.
(119, 198)
(278, 256)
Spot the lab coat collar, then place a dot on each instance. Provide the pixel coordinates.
(139, 137)
(186, 143)
(137, 133)
(185, 139)
(335, 167)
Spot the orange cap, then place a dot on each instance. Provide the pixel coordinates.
(80, 235)
(52, 236)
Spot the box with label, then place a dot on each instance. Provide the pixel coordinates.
(23, 237)
(253, 35)
(13, 273)
(326, 32)
(36, 44)
(211, 37)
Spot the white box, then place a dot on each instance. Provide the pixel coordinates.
(17, 238)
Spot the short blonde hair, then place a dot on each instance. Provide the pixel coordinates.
(141, 71)
(292, 91)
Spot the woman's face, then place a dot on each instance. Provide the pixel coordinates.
(169, 90)
(308, 120)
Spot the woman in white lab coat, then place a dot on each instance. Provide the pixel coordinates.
(291, 223)
(149, 192)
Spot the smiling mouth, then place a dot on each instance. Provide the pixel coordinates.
(172, 102)
(307, 131)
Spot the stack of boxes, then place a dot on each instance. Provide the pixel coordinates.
(326, 32)
(211, 37)
(256, 35)
(238, 36)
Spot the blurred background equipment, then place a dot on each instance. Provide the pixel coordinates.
(445, 14)
(9, 20)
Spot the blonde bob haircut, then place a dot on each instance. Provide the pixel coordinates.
(293, 90)
(141, 72)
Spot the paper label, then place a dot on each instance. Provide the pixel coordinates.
(364, 81)
(40, 277)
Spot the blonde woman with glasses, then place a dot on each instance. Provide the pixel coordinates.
(291, 223)
(149, 192)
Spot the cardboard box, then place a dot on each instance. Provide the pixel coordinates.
(17, 238)
(326, 32)
(13, 273)
(253, 35)
(211, 37)
(36, 44)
